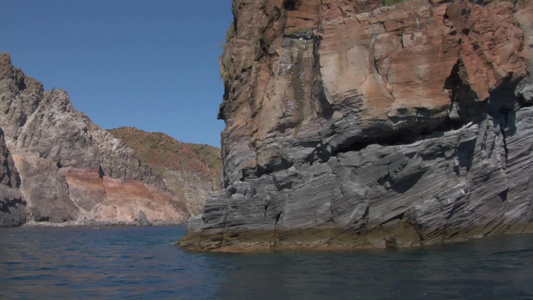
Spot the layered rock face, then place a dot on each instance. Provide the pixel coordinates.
(350, 124)
(70, 169)
(191, 171)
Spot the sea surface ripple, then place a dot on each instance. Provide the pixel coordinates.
(144, 263)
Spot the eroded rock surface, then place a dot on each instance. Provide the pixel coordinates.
(350, 124)
(70, 169)
(12, 205)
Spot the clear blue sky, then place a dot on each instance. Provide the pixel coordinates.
(151, 64)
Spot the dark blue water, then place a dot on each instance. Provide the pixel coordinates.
(144, 263)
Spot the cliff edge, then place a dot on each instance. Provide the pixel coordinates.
(353, 125)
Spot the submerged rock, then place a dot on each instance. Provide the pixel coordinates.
(352, 125)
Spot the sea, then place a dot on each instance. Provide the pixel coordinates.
(145, 263)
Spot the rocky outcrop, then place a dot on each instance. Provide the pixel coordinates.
(70, 169)
(191, 171)
(350, 124)
(12, 205)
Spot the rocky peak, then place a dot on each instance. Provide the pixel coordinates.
(46, 124)
(72, 170)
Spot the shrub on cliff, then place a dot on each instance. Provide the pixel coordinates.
(392, 2)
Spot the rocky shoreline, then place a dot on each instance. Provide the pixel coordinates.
(97, 224)
(326, 240)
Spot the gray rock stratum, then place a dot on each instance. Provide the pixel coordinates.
(354, 125)
(60, 167)
(12, 205)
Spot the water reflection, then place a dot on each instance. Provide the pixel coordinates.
(464, 271)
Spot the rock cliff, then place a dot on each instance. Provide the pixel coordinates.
(69, 169)
(350, 124)
(12, 205)
(191, 171)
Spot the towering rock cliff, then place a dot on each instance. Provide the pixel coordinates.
(352, 124)
(71, 170)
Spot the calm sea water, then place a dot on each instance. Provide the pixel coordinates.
(144, 263)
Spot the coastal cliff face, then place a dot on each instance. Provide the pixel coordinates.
(69, 169)
(350, 124)
(191, 171)
(12, 205)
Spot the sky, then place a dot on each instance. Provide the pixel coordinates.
(150, 64)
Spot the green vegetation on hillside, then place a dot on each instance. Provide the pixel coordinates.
(164, 152)
(392, 2)
(191, 171)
